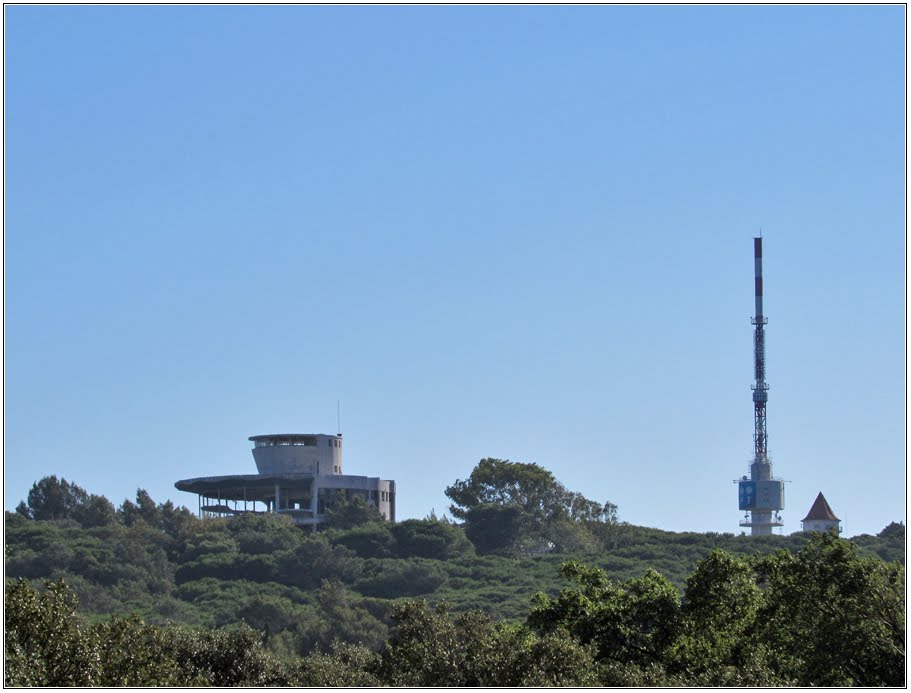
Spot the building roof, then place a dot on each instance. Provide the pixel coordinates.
(820, 510)
(244, 486)
(291, 437)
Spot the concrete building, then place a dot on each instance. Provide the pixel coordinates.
(820, 518)
(298, 474)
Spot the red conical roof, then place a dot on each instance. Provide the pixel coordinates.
(820, 510)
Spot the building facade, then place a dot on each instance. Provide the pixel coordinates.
(298, 474)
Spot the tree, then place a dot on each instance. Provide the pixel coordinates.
(97, 511)
(345, 513)
(144, 509)
(128, 512)
(136, 654)
(223, 658)
(314, 560)
(428, 648)
(431, 647)
(55, 499)
(893, 529)
(716, 646)
(344, 665)
(509, 507)
(45, 643)
(147, 508)
(831, 617)
(633, 622)
(269, 614)
(503, 529)
(429, 538)
(372, 540)
(529, 487)
(176, 521)
(391, 578)
(341, 616)
(264, 533)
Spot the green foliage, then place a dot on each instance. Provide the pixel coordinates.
(265, 533)
(832, 617)
(345, 513)
(269, 614)
(825, 616)
(344, 666)
(529, 487)
(54, 499)
(725, 610)
(138, 655)
(57, 499)
(315, 560)
(635, 622)
(229, 566)
(894, 530)
(513, 508)
(392, 578)
(501, 529)
(372, 540)
(430, 538)
(45, 643)
(889, 544)
(227, 657)
(429, 647)
(715, 646)
(341, 616)
(96, 511)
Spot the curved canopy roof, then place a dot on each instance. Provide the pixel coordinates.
(245, 486)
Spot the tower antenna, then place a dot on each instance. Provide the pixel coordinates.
(338, 415)
(760, 495)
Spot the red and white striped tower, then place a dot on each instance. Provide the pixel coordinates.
(760, 387)
(760, 495)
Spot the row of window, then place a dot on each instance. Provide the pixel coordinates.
(309, 442)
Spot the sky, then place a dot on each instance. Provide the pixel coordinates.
(513, 232)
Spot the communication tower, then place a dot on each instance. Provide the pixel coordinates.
(760, 495)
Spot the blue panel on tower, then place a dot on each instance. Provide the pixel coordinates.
(747, 495)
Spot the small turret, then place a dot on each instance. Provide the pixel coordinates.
(820, 518)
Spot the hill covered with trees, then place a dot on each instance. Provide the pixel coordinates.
(355, 600)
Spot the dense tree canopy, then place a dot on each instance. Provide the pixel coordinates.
(513, 507)
(345, 513)
(825, 616)
(644, 607)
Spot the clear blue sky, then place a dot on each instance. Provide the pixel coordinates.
(516, 232)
